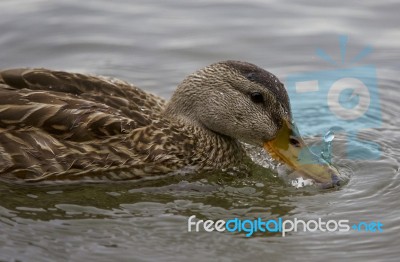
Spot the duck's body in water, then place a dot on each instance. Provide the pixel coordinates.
(57, 125)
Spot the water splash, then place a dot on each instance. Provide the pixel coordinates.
(300, 182)
(326, 151)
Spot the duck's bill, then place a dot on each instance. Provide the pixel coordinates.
(288, 147)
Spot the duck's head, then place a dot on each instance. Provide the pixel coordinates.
(247, 103)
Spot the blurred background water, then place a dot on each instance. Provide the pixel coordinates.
(155, 44)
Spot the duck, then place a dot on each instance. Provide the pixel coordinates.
(62, 126)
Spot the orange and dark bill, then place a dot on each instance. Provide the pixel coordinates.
(289, 147)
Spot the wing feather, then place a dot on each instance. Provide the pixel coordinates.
(55, 124)
(73, 106)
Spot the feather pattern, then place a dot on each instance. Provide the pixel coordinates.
(56, 125)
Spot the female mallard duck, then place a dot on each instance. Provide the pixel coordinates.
(57, 125)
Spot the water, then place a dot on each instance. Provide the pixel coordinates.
(326, 152)
(155, 44)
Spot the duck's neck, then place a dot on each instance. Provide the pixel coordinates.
(187, 143)
(214, 149)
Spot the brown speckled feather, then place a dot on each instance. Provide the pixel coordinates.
(64, 126)
(57, 123)
(73, 106)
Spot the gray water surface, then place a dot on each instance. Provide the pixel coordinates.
(155, 44)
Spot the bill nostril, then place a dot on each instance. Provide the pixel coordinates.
(293, 141)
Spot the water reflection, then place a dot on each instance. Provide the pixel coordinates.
(155, 45)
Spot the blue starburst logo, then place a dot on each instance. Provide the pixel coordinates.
(344, 98)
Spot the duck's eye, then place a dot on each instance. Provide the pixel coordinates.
(294, 142)
(257, 97)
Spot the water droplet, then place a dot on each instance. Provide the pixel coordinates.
(326, 152)
(329, 136)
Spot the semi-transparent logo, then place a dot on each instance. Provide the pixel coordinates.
(343, 99)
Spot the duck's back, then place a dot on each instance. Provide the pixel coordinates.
(46, 113)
